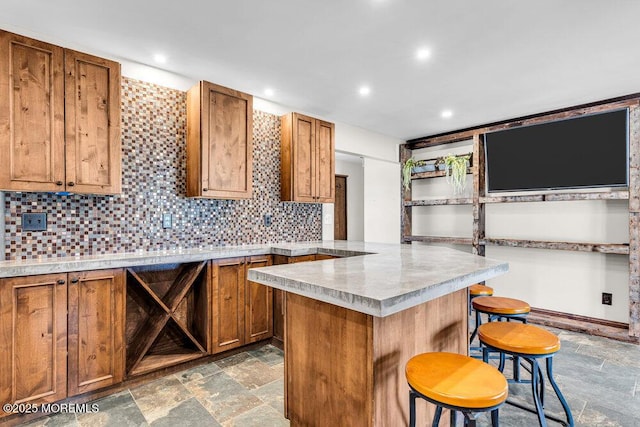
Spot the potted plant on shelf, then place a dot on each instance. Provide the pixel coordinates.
(408, 168)
(456, 171)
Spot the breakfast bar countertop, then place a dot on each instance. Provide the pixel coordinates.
(383, 279)
(373, 278)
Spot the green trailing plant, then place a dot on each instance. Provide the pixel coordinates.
(407, 168)
(456, 171)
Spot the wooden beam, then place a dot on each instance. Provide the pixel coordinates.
(563, 113)
(478, 232)
(439, 202)
(559, 197)
(405, 220)
(439, 239)
(606, 248)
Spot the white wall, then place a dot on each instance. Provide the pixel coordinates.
(565, 281)
(381, 201)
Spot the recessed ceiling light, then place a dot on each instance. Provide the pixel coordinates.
(269, 92)
(364, 90)
(160, 58)
(446, 114)
(423, 54)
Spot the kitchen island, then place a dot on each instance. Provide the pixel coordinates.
(352, 323)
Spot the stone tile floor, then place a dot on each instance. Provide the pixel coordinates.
(599, 377)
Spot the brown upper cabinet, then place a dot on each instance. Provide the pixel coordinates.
(219, 142)
(307, 169)
(59, 119)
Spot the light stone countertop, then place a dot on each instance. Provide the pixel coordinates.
(373, 278)
(391, 278)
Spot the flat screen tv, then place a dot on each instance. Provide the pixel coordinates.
(585, 151)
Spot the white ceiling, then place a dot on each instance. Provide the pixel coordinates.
(490, 60)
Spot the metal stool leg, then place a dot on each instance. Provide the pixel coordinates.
(453, 418)
(412, 408)
(436, 416)
(536, 397)
(494, 418)
(564, 403)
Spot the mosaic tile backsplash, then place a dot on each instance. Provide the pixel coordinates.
(153, 183)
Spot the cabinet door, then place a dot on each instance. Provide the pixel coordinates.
(279, 295)
(96, 330)
(258, 305)
(31, 115)
(92, 124)
(325, 161)
(228, 283)
(304, 154)
(33, 339)
(226, 138)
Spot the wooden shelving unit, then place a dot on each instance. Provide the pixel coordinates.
(438, 202)
(479, 199)
(167, 320)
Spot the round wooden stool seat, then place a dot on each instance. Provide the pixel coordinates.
(456, 380)
(480, 290)
(518, 338)
(500, 305)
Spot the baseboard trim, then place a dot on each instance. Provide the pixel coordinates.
(590, 325)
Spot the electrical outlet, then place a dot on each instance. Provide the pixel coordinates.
(167, 220)
(34, 221)
(267, 220)
(607, 298)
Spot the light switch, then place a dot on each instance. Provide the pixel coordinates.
(167, 220)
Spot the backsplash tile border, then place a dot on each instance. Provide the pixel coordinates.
(153, 182)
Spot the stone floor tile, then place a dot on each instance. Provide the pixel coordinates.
(222, 396)
(260, 416)
(595, 415)
(158, 397)
(268, 354)
(253, 373)
(115, 410)
(233, 360)
(189, 413)
(57, 420)
(272, 394)
(198, 372)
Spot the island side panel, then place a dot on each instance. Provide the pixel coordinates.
(328, 364)
(437, 325)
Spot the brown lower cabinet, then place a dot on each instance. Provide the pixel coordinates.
(35, 335)
(71, 333)
(278, 295)
(242, 310)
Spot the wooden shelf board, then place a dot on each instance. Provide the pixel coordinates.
(607, 248)
(182, 285)
(438, 239)
(433, 174)
(153, 362)
(558, 197)
(439, 202)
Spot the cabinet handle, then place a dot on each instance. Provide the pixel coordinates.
(75, 280)
(205, 189)
(60, 282)
(59, 183)
(71, 183)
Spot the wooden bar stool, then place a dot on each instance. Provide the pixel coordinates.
(475, 291)
(479, 290)
(455, 382)
(529, 343)
(499, 308)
